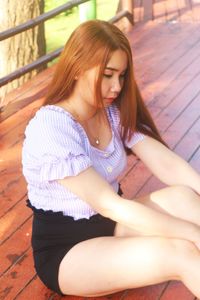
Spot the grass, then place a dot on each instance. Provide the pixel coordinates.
(58, 29)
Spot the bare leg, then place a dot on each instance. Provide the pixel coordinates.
(105, 265)
(178, 201)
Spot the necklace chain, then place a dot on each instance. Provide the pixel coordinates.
(96, 140)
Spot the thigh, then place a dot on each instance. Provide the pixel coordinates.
(53, 235)
(178, 201)
(109, 264)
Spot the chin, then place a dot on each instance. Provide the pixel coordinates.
(108, 103)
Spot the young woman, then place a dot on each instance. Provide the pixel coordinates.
(87, 240)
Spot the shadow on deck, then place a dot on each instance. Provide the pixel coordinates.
(167, 66)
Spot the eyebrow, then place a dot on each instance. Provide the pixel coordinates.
(113, 69)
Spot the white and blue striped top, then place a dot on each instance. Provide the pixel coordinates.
(56, 146)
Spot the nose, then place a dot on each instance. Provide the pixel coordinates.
(116, 86)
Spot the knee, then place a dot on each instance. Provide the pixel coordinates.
(182, 191)
(184, 249)
(177, 250)
(179, 255)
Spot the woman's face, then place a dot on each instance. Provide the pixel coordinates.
(113, 76)
(112, 82)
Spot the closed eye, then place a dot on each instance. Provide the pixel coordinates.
(107, 75)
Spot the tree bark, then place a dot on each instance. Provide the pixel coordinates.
(23, 48)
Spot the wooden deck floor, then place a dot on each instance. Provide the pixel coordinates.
(167, 10)
(167, 66)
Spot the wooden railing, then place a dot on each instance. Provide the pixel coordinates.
(126, 11)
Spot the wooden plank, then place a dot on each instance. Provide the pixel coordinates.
(131, 163)
(11, 155)
(15, 137)
(178, 85)
(150, 292)
(159, 60)
(172, 111)
(117, 296)
(181, 59)
(10, 222)
(14, 248)
(189, 144)
(17, 277)
(12, 193)
(137, 175)
(20, 117)
(176, 290)
(144, 32)
(11, 170)
(166, 53)
(185, 143)
(38, 291)
(42, 79)
(195, 159)
(183, 122)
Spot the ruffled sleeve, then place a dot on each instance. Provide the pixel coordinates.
(136, 136)
(56, 146)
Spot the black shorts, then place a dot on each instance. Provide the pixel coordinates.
(53, 235)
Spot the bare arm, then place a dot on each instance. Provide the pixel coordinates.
(93, 189)
(166, 165)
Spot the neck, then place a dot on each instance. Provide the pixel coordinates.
(93, 120)
(94, 128)
(79, 110)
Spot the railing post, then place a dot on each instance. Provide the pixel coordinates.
(87, 10)
(129, 21)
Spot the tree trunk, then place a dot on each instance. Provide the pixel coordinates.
(23, 48)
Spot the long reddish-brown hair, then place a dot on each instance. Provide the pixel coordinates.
(92, 44)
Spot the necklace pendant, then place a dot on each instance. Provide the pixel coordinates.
(97, 142)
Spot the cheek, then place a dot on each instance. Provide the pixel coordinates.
(105, 86)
